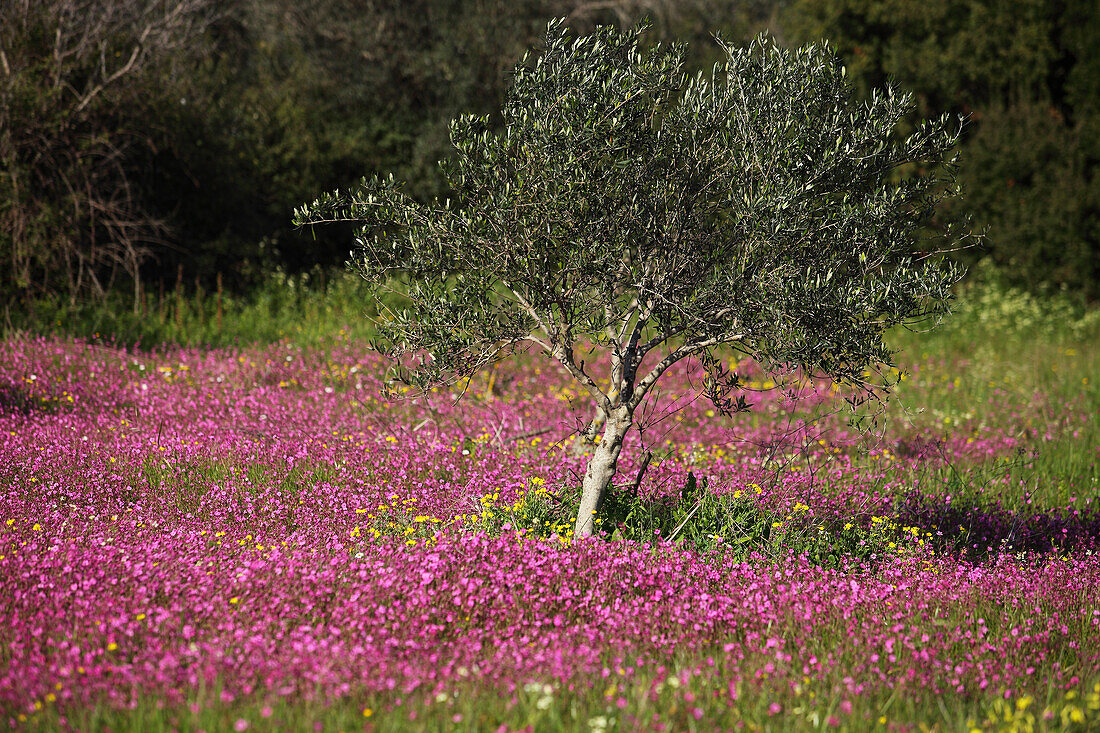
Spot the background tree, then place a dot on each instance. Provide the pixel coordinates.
(71, 75)
(305, 97)
(1027, 74)
(626, 206)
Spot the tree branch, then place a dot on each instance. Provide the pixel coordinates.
(550, 331)
(98, 88)
(564, 355)
(685, 350)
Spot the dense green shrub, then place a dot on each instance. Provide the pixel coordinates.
(1026, 73)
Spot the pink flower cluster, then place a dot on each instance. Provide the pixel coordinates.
(181, 520)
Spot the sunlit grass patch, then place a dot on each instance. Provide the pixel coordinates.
(690, 697)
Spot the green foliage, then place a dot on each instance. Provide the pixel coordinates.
(990, 306)
(628, 205)
(697, 517)
(959, 53)
(736, 524)
(1026, 74)
(78, 80)
(196, 155)
(1032, 182)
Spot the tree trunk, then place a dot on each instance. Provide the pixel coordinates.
(601, 469)
(587, 436)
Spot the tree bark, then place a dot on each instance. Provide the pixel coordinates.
(587, 436)
(601, 469)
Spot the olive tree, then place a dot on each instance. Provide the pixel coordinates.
(621, 204)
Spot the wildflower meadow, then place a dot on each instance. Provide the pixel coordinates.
(257, 537)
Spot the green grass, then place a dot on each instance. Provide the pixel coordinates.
(683, 700)
(307, 309)
(1010, 360)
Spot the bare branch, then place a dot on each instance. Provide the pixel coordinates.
(687, 349)
(564, 354)
(550, 330)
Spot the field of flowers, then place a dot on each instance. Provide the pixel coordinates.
(254, 539)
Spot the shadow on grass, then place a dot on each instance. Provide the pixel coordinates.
(977, 530)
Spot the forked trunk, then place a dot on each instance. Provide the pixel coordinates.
(601, 469)
(588, 436)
